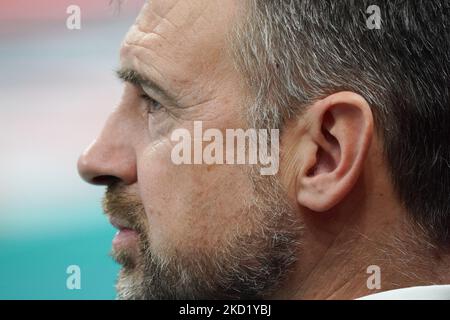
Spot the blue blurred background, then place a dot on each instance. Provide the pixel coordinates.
(57, 87)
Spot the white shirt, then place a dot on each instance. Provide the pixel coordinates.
(441, 292)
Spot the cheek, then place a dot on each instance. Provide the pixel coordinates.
(190, 207)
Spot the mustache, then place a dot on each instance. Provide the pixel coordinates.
(121, 205)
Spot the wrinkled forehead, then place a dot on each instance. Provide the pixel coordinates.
(188, 33)
(184, 14)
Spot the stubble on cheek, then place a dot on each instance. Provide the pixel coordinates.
(202, 208)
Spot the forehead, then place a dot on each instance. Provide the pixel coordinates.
(179, 39)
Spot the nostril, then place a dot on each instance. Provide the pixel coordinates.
(106, 164)
(104, 180)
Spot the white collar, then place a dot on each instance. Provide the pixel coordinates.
(441, 292)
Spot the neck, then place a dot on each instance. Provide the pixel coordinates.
(369, 228)
(352, 264)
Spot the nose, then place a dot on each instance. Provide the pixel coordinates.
(109, 159)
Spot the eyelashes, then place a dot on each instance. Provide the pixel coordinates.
(152, 105)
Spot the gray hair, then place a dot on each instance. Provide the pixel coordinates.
(293, 52)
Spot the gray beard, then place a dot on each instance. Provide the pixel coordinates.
(245, 267)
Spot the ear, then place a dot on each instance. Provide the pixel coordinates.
(336, 141)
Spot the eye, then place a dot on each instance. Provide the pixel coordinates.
(152, 105)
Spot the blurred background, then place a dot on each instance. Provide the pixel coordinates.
(57, 87)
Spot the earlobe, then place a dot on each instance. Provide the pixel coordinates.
(339, 137)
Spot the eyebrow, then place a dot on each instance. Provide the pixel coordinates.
(137, 79)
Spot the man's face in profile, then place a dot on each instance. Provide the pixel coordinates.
(360, 115)
(186, 231)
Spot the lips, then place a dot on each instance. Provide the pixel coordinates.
(119, 223)
(126, 238)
